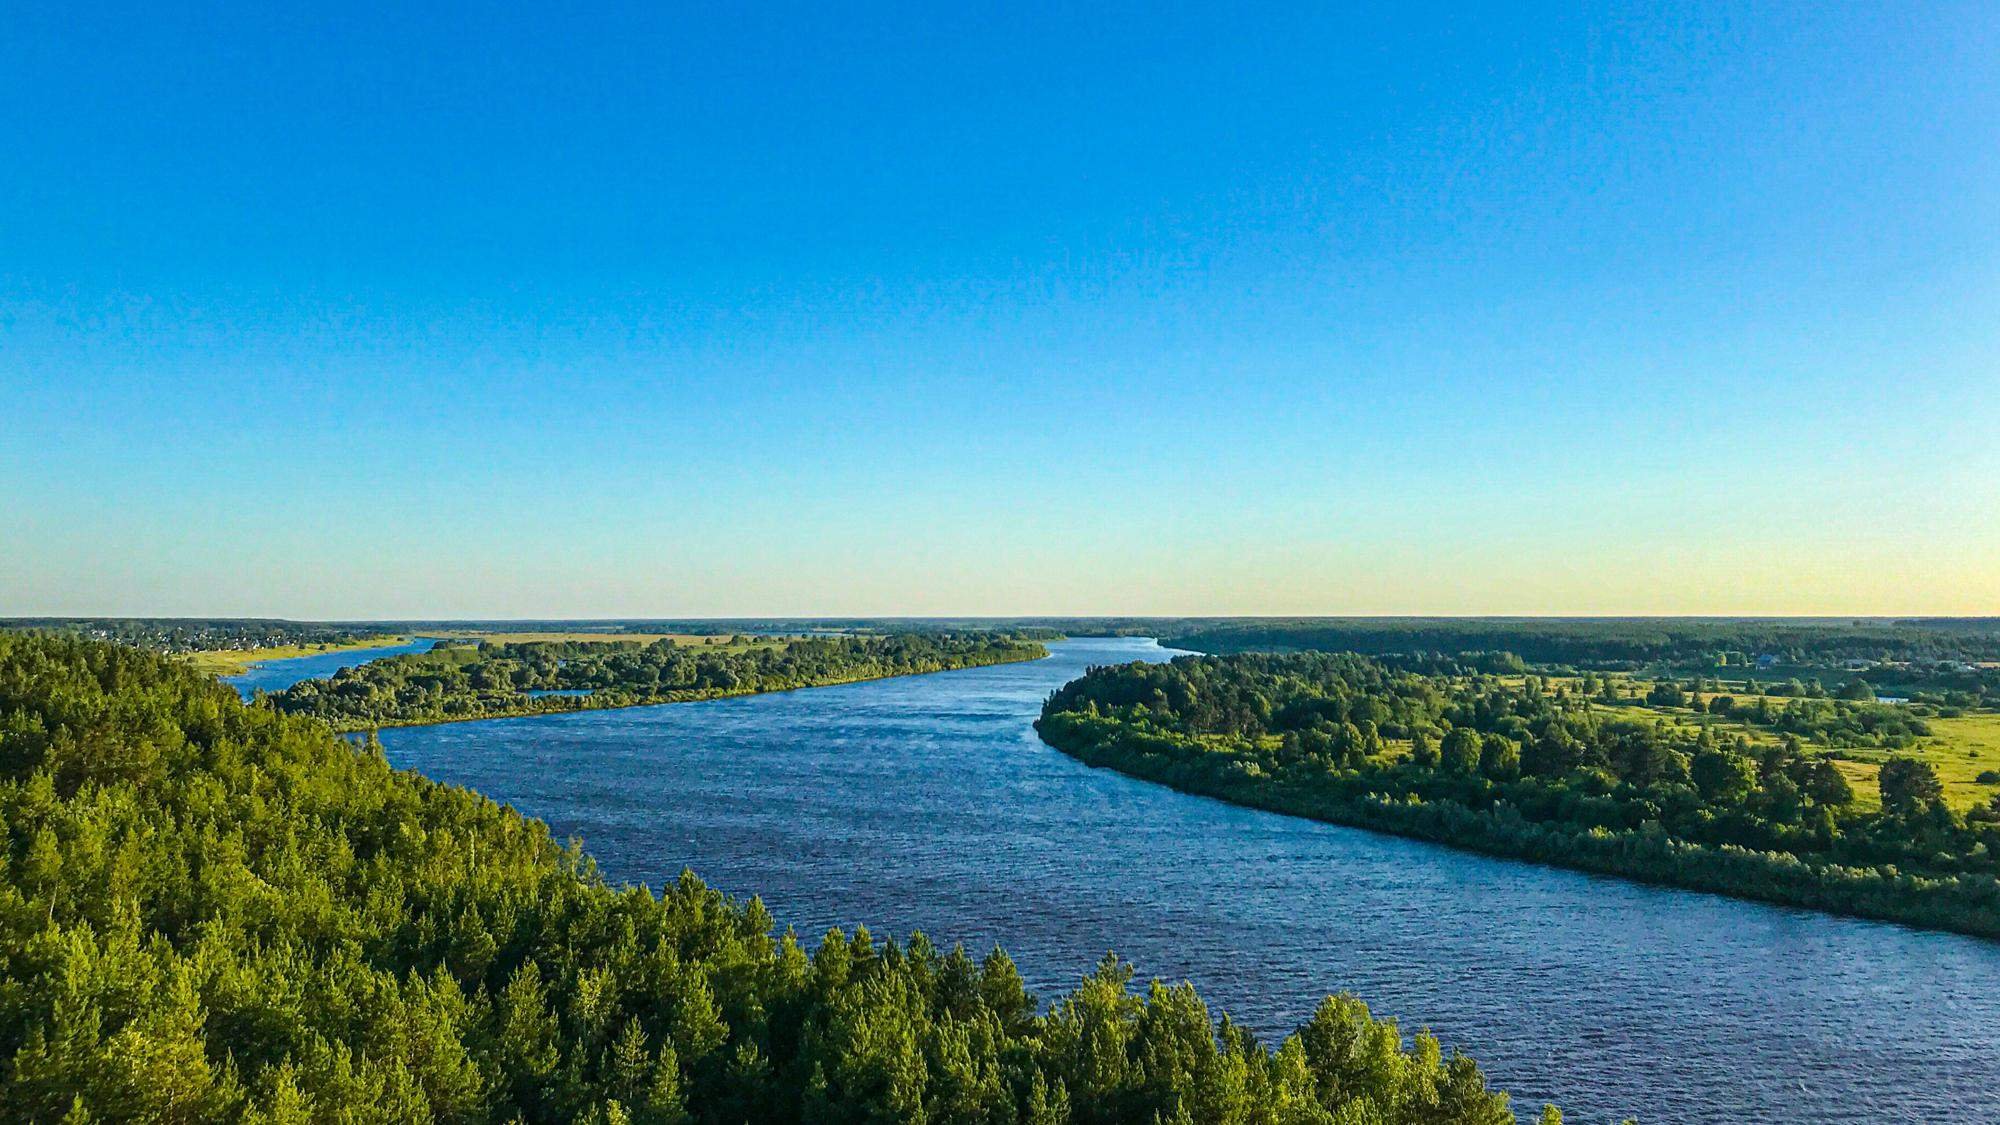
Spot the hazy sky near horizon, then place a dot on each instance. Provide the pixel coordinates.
(664, 310)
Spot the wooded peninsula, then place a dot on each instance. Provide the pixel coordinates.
(1654, 780)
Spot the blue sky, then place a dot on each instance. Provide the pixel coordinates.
(603, 311)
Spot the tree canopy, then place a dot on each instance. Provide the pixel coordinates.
(1524, 766)
(1623, 642)
(218, 912)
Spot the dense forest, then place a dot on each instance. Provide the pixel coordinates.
(1611, 642)
(1522, 767)
(211, 911)
(488, 680)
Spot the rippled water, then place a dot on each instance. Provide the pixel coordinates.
(928, 803)
(277, 675)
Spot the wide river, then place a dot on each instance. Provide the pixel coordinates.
(928, 803)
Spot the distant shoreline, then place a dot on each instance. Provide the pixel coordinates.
(236, 662)
(572, 705)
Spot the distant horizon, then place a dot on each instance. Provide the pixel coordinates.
(422, 619)
(1543, 309)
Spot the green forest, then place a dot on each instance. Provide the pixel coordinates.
(1624, 643)
(1522, 766)
(212, 911)
(194, 634)
(489, 680)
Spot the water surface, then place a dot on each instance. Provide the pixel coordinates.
(277, 675)
(928, 803)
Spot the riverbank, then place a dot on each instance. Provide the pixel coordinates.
(461, 684)
(236, 662)
(537, 707)
(1962, 905)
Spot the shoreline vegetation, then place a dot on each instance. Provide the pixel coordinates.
(457, 682)
(217, 911)
(1526, 767)
(235, 662)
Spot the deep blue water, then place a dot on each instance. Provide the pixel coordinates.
(277, 675)
(928, 803)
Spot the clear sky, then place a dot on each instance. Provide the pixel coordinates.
(663, 310)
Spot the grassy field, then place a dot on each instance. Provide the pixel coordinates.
(233, 662)
(1959, 750)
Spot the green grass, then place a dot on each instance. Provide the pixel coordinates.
(1959, 750)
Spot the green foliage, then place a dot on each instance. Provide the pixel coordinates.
(1834, 722)
(1524, 769)
(1461, 750)
(1609, 642)
(1909, 786)
(189, 634)
(1666, 693)
(1724, 777)
(465, 682)
(217, 912)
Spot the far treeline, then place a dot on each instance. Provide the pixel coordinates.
(489, 680)
(197, 634)
(1612, 643)
(214, 912)
(1952, 664)
(1525, 767)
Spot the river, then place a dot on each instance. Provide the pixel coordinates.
(927, 802)
(277, 675)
